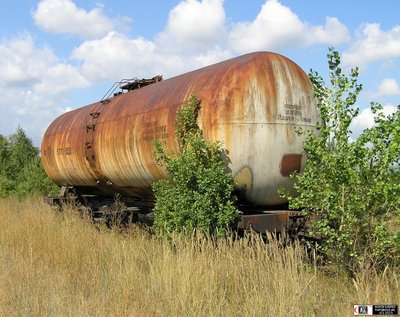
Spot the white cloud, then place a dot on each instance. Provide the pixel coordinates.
(195, 35)
(194, 26)
(60, 78)
(63, 16)
(373, 45)
(21, 63)
(277, 27)
(117, 56)
(388, 87)
(366, 119)
(33, 85)
(212, 56)
(334, 32)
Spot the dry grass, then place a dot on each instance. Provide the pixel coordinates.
(60, 265)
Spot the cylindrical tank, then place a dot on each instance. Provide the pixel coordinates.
(252, 103)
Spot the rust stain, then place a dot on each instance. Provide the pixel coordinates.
(290, 163)
(273, 221)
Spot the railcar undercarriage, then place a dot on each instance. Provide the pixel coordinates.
(120, 210)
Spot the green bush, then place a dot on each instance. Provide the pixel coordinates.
(21, 171)
(198, 195)
(353, 184)
(34, 180)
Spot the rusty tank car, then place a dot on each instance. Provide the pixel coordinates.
(253, 104)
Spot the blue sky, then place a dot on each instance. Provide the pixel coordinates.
(57, 55)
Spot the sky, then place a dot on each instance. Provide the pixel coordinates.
(58, 55)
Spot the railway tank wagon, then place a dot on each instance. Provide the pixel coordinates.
(252, 103)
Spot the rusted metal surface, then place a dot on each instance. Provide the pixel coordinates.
(139, 83)
(251, 103)
(290, 163)
(277, 221)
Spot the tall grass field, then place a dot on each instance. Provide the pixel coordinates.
(54, 264)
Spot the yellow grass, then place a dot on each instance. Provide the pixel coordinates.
(60, 265)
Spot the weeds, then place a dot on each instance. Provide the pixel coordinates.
(56, 264)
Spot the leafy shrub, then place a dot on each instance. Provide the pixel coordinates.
(198, 196)
(353, 184)
(34, 180)
(21, 170)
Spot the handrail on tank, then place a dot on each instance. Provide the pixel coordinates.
(130, 84)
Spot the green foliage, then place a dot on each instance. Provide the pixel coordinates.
(34, 180)
(3, 154)
(198, 196)
(21, 153)
(21, 171)
(353, 185)
(5, 183)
